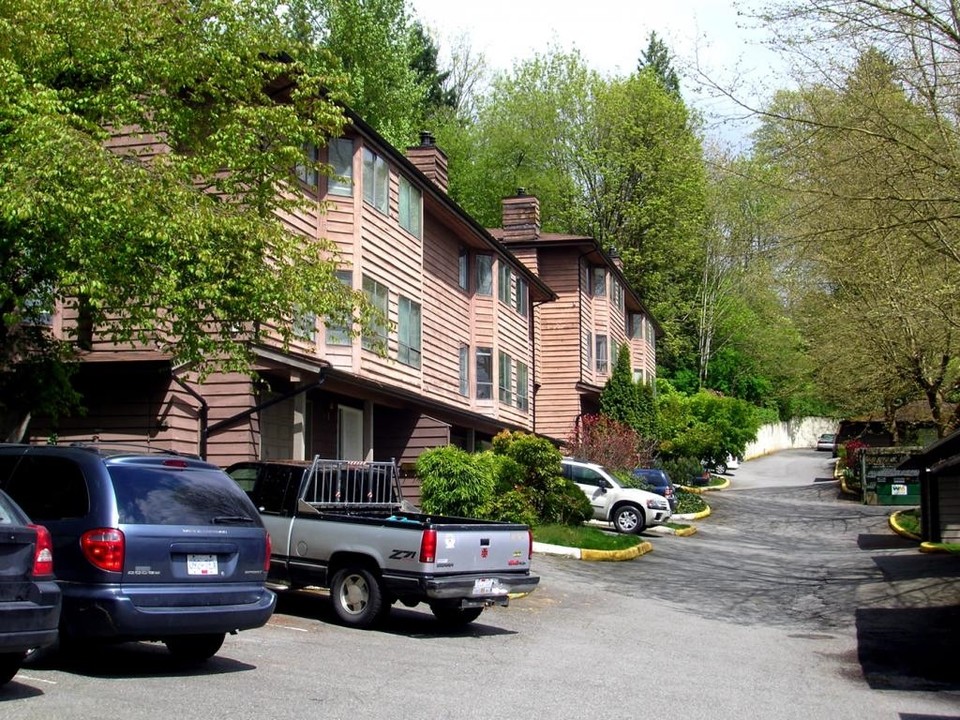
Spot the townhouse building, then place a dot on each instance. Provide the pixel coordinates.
(577, 335)
(459, 363)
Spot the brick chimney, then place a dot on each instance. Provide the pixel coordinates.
(521, 218)
(430, 160)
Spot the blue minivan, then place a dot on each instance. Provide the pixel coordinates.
(147, 545)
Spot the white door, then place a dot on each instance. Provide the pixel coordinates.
(350, 433)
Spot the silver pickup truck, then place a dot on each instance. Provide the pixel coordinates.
(345, 526)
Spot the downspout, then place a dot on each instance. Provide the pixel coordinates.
(204, 413)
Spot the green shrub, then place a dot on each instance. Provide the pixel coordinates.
(682, 470)
(569, 506)
(514, 505)
(454, 482)
(688, 502)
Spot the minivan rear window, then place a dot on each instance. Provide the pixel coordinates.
(154, 496)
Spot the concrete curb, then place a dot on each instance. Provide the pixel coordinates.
(707, 488)
(595, 555)
(692, 516)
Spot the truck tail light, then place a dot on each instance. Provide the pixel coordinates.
(529, 543)
(104, 548)
(267, 551)
(43, 555)
(428, 546)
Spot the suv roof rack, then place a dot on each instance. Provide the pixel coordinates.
(115, 447)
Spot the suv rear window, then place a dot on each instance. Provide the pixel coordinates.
(155, 496)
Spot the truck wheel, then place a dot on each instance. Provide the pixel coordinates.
(357, 597)
(629, 519)
(454, 617)
(9, 665)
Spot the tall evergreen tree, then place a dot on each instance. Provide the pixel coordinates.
(657, 59)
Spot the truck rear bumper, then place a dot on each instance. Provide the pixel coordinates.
(482, 588)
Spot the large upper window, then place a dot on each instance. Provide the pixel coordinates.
(411, 208)
(484, 373)
(379, 297)
(340, 157)
(598, 281)
(376, 181)
(338, 332)
(484, 274)
(504, 278)
(409, 332)
(504, 369)
(635, 326)
(617, 294)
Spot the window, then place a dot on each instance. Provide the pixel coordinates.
(484, 373)
(638, 375)
(617, 294)
(307, 170)
(339, 334)
(589, 348)
(378, 295)
(49, 488)
(635, 327)
(465, 370)
(411, 208)
(305, 325)
(504, 277)
(614, 353)
(484, 274)
(523, 386)
(38, 306)
(602, 366)
(409, 332)
(521, 300)
(340, 153)
(503, 373)
(598, 282)
(463, 277)
(651, 335)
(376, 181)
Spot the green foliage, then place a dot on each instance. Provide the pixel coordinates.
(682, 470)
(656, 59)
(514, 505)
(568, 506)
(188, 244)
(689, 503)
(587, 538)
(453, 482)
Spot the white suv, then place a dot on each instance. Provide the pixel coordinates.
(629, 509)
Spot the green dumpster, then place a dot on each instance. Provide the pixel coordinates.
(890, 486)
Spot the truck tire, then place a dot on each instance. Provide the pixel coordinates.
(629, 519)
(357, 597)
(454, 617)
(194, 648)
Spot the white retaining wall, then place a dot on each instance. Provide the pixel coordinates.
(801, 433)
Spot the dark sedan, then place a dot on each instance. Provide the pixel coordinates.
(29, 595)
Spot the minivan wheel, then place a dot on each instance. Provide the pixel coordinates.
(9, 665)
(357, 597)
(629, 519)
(194, 648)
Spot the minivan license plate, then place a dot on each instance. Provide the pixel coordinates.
(201, 564)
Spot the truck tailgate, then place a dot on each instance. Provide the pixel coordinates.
(466, 549)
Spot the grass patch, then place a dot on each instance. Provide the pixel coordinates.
(909, 520)
(676, 526)
(586, 538)
(688, 502)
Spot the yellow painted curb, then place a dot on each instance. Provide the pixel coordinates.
(686, 532)
(628, 554)
(929, 547)
(899, 529)
(723, 486)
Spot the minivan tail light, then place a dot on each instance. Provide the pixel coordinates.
(43, 555)
(268, 550)
(104, 548)
(428, 546)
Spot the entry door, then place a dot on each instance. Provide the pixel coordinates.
(350, 433)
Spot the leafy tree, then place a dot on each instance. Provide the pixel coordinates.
(184, 249)
(619, 399)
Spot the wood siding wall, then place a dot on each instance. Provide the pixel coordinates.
(950, 509)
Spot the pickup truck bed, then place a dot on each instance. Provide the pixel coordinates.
(343, 526)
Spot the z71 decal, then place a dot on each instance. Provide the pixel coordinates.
(403, 554)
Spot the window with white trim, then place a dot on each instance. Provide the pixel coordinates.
(504, 277)
(465, 370)
(598, 281)
(601, 354)
(504, 371)
(521, 301)
(379, 297)
(340, 158)
(409, 332)
(484, 373)
(484, 274)
(339, 333)
(376, 181)
(305, 325)
(307, 170)
(411, 208)
(523, 386)
(463, 270)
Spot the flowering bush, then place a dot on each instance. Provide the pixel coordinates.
(612, 444)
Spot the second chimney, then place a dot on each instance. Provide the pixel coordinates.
(521, 218)
(430, 160)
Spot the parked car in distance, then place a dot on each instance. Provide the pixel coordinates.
(629, 509)
(722, 467)
(150, 546)
(827, 441)
(29, 594)
(659, 482)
